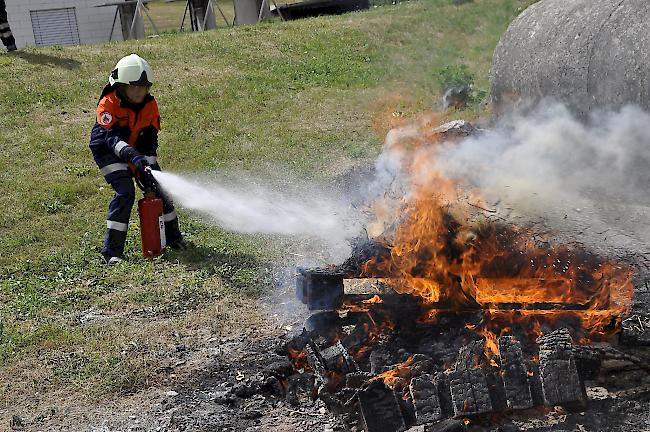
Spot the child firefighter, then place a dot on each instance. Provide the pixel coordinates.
(123, 142)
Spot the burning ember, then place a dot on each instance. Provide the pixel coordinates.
(451, 312)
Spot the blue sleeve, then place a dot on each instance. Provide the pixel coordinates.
(114, 140)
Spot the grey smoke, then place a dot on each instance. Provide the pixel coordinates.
(248, 207)
(589, 181)
(319, 222)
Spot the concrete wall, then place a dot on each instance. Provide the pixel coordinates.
(94, 22)
(588, 54)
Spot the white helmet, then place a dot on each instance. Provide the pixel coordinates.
(131, 69)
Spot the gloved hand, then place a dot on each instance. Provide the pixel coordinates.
(140, 163)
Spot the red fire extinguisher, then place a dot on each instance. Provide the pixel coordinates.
(152, 224)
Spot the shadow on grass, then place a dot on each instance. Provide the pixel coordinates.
(241, 271)
(47, 60)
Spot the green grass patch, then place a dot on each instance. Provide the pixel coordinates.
(302, 99)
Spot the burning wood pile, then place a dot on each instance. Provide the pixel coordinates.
(444, 320)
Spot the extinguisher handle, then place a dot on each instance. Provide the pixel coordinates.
(148, 183)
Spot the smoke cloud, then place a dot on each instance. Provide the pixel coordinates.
(587, 181)
(320, 222)
(247, 207)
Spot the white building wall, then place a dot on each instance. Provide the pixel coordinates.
(94, 22)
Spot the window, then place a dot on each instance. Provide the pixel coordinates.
(55, 26)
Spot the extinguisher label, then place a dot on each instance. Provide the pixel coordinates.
(163, 239)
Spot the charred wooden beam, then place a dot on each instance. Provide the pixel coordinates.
(496, 389)
(334, 358)
(561, 383)
(319, 288)
(316, 360)
(379, 409)
(441, 381)
(424, 395)
(468, 384)
(469, 392)
(326, 289)
(540, 306)
(450, 425)
(589, 360)
(369, 287)
(355, 380)
(636, 330)
(337, 359)
(381, 359)
(515, 375)
(422, 364)
(606, 353)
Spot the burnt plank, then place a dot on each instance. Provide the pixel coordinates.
(356, 379)
(379, 409)
(469, 392)
(635, 330)
(589, 360)
(337, 359)
(316, 360)
(381, 359)
(515, 375)
(561, 384)
(468, 384)
(441, 381)
(496, 389)
(424, 395)
(319, 288)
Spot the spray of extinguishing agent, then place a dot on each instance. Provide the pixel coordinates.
(150, 209)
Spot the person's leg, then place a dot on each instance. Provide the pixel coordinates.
(5, 31)
(119, 212)
(172, 230)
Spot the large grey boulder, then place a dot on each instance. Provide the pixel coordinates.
(586, 53)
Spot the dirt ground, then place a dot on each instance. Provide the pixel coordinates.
(197, 394)
(222, 384)
(207, 400)
(224, 387)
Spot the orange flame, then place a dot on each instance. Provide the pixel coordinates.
(299, 358)
(374, 300)
(400, 374)
(445, 252)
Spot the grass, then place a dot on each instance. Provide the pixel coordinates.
(306, 98)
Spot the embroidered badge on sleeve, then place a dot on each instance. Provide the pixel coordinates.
(105, 118)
